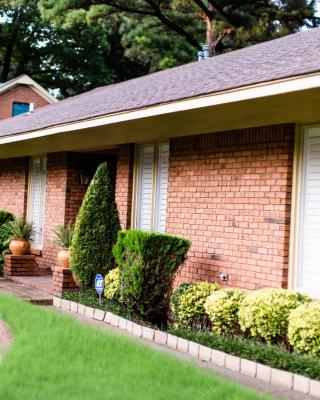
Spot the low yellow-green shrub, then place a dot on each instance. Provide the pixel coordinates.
(304, 328)
(265, 312)
(190, 312)
(112, 285)
(222, 308)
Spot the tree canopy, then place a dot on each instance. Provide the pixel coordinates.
(76, 46)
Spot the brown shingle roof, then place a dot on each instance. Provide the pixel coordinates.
(291, 55)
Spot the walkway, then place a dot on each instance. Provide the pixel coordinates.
(25, 292)
(279, 392)
(42, 283)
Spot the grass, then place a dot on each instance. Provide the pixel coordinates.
(57, 358)
(271, 355)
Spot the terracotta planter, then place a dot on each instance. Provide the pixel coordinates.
(19, 247)
(64, 258)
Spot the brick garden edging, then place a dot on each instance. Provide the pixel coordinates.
(297, 383)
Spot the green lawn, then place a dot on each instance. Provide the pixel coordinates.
(54, 357)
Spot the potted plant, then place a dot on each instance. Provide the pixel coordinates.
(19, 233)
(64, 236)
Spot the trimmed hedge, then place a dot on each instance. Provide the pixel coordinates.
(147, 265)
(95, 230)
(188, 306)
(222, 308)
(112, 285)
(264, 313)
(271, 355)
(304, 328)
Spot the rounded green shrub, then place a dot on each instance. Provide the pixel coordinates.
(222, 308)
(147, 263)
(95, 230)
(264, 313)
(304, 328)
(175, 299)
(190, 310)
(112, 285)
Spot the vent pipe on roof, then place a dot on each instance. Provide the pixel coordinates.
(200, 55)
(205, 53)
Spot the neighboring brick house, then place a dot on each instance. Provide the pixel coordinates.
(225, 152)
(21, 93)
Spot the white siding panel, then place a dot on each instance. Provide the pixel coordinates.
(162, 187)
(309, 246)
(36, 201)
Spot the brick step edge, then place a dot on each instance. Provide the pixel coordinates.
(295, 382)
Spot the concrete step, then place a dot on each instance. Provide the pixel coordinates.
(26, 293)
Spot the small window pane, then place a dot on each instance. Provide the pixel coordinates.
(145, 188)
(20, 108)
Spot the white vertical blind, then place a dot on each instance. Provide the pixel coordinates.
(145, 188)
(37, 182)
(309, 246)
(162, 187)
(152, 186)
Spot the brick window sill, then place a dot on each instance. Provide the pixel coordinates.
(35, 252)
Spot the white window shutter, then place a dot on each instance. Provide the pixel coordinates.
(162, 187)
(309, 248)
(145, 188)
(37, 198)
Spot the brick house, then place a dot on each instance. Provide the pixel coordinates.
(224, 151)
(17, 95)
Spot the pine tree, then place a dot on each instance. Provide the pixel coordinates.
(96, 229)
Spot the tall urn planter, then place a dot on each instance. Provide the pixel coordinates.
(64, 257)
(64, 236)
(19, 247)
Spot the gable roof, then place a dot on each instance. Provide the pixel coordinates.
(290, 56)
(27, 81)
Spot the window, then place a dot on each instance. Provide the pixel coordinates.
(19, 108)
(152, 164)
(36, 197)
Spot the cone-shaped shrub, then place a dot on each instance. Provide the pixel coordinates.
(95, 230)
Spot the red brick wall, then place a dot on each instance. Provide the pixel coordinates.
(124, 182)
(82, 163)
(230, 194)
(21, 94)
(14, 185)
(64, 192)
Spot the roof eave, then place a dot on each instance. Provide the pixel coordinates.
(260, 90)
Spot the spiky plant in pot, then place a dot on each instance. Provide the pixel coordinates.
(19, 233)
